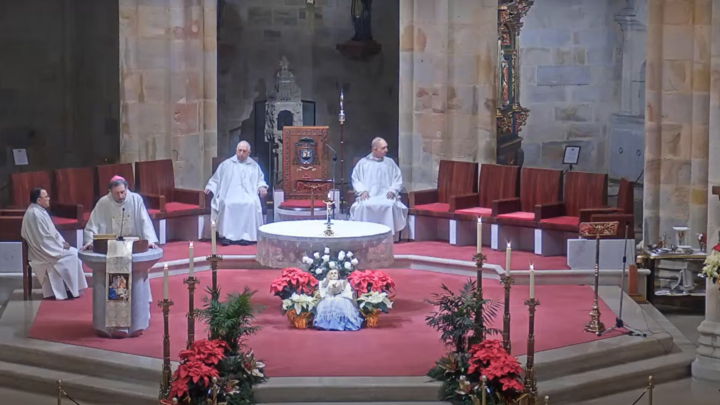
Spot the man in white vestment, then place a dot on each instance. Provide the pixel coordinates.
(236, 207)
(121, 212)
(377, 182)
(54, 261)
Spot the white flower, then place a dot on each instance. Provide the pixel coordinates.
(306, 260)
(316, 255)
(327, 251)
(333, 265)
(318, 270)
(354, 262)
(299, 303)
(341, 255)
(326, 258)
(348, 266)
(349, 254)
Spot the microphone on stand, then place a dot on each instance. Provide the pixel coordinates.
(122, 222)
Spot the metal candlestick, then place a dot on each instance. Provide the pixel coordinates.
(479, 324)
(60, 392)
(328, 224)
(507, 281)
(483, 389)
(341, 119)
(166, 370)
(597, 229)
(530, 381)
(214, 259)
(191, 282)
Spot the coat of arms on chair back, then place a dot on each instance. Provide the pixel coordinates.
(304, 158)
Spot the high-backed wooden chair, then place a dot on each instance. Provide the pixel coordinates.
(76, 186)
(431, 211)
(16, 249)
(105, 173)
(623, 212)
(515, 218)
(155, 181)
(68, 218)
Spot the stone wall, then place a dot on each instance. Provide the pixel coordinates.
(570, 80)
(58, 84)
(256, 34)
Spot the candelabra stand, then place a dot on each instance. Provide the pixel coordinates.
(483, 390)
(214, 259)
(191, 283)
(165, 304)
(60, 392)
(507, 281)
(597, 229)
(530, 381)
(479, 325)
(341, 119)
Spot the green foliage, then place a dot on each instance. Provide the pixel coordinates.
(230, 321)
(240, 375)
(454, 316)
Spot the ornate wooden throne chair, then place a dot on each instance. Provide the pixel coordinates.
(495, 183)
(306, 179)
(431, 212)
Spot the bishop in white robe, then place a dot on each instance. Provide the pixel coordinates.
(235, 207)
(377, 182)
(121, 212)
(54, 261)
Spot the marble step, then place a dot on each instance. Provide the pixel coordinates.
(367, 403)
(82, 388)
(624, 377)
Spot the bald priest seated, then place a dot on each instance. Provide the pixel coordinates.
(236, 208)
(54, 261)
(121, 212)
(377, 182)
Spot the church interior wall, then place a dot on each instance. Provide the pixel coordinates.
(256, 34)
(59, 87)
(571, 61)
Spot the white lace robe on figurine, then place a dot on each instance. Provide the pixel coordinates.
(236, 207)
(107, 218)
(377, 177)
(59, 270)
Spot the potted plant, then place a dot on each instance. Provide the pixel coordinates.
(299, 308)
(293, 281)
(366, 281)
(712, 263)
(371, 304)
(319, 264)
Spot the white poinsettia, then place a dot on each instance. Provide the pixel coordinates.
(300, 303)
(374, 300)
(712, 263)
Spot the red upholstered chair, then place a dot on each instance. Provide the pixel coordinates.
(496, 182)
(431, 210)
(68, 218)
(516, 217)
(11, 237)
(75, 186)
(105, 173)
(155, 181)
(623, 212)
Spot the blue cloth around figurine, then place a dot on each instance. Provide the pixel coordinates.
(336, 310)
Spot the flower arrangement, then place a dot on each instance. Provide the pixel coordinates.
(712, 263)
(293, 281)
(489, 359)
(371, 304)
(366, 281)
(299, 308)
(319, 265)
(197, 368)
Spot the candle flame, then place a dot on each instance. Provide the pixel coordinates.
(191, 244)
(213, 223)
(166, 266)
(509, 245)
(480, 220)
(532, 267)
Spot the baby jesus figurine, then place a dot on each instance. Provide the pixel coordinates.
(336, 310)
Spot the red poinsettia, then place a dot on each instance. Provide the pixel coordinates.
(209, 352)
(197, 365)
(293, 280)
(369, 280)
(488, 358)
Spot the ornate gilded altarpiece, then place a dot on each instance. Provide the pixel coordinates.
(511, 116)
(303, 159)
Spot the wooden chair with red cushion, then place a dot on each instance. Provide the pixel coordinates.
(155, 181)
(623, 212)
(68, 218)
(432, 209)
(105, 173)
(75, 186)
(515, 218)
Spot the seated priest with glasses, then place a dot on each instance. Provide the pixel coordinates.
(121, 212)
(54, 261)
(377, 182)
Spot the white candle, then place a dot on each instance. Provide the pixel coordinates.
(479, 235)
(212, 232)
(532, 281)
(191, 268)
(165, 282)
(508, 253)
(330, 195)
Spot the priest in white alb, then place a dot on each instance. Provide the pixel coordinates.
(236, 208)
(377, 182)
(121, 212)
(54, 261)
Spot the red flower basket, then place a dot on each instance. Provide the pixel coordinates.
(197, 365)
(503, 371)
(369, 280)
(293, 280)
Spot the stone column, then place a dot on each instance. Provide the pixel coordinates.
(676, 117)
(633, 56)
(707, 363)
(448, 65)
(168, 101)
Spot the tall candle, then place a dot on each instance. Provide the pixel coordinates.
(532, 281)
(479, 235)
(165, 282)
(508, 253)
(191, 268)
(212, 232)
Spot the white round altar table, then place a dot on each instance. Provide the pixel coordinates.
(283, 244)
(141, 298)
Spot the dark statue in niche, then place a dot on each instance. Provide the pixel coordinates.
(285, 118)
(361, 17)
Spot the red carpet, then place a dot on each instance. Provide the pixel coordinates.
(442, 250)
(402, 345)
